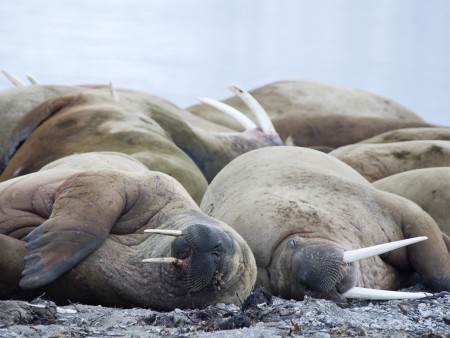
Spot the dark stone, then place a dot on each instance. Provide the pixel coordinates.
(259, 296)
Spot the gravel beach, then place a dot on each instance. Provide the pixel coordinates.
(261, 315)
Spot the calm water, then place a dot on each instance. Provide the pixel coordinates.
(182, 49)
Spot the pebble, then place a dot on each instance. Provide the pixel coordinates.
(312, 318)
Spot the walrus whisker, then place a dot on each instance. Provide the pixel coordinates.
(164, 260)
(230, 111)
(260, 113)
(175, 233)
(32, 79)
(375, 294)
(11, 77)
(358, 254)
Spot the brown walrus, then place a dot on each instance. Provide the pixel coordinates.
(429, 188)
(141, 125)
(76, 230)
(320, 115)
(375, 161)
(411, 134)
(300, 209)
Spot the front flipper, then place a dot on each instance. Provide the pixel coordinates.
(86, 207)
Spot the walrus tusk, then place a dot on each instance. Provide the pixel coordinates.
(230, 111)
(58, 309)
(165, 232)
(113, 92)
(11, 77)
(261, 115)
(164, 260)
(32, 79)
(375, 294)
(358, 254)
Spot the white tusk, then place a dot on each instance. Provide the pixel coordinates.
(11, 77)
(32, 79)
(365, 293)
(358, 254)
(230, 111)
(113, 92)
(165, 232)
(164, 260)
(261, 115)
(58, 309)
(65, 311)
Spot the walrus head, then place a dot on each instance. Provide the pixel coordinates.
(200, 252)
(323, 270)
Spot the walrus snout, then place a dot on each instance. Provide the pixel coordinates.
(322, 268)
(318, 269)
(203, 251)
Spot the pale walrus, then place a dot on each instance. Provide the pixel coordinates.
(429, 188)
(375, 161)
(300, 209)
(320, 115)
(77, 234)
(141, 125)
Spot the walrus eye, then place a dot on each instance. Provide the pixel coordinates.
(217, 251)
(292, 243)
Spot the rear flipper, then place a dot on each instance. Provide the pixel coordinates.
(86, 207)
(430, 258)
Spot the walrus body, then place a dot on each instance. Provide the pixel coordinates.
(299, 209)
(411, 134)
(77, 235)
(320, 115)
(15, 102)
(375, 161)
(429, 188)
(143, 126)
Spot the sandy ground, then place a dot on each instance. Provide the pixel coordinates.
(261, 315)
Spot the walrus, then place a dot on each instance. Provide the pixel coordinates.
(143, 126)
(313, 114)
(375, 161)
(411, 134)
(429, 188)
(75, 230)
(300, 210)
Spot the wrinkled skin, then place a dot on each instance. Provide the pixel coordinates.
(320, 115)
(299, 209)
(429, 188)
(77, 235)
(161, 136)
(375, 161)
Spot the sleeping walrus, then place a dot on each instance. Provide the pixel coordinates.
(375, 161)
(320, 115)
(75, 230)
(428, 187)
(300, 210)
(411, 134)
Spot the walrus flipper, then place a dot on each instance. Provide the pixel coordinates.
(81, 219)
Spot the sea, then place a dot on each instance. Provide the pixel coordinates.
(183, 49)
